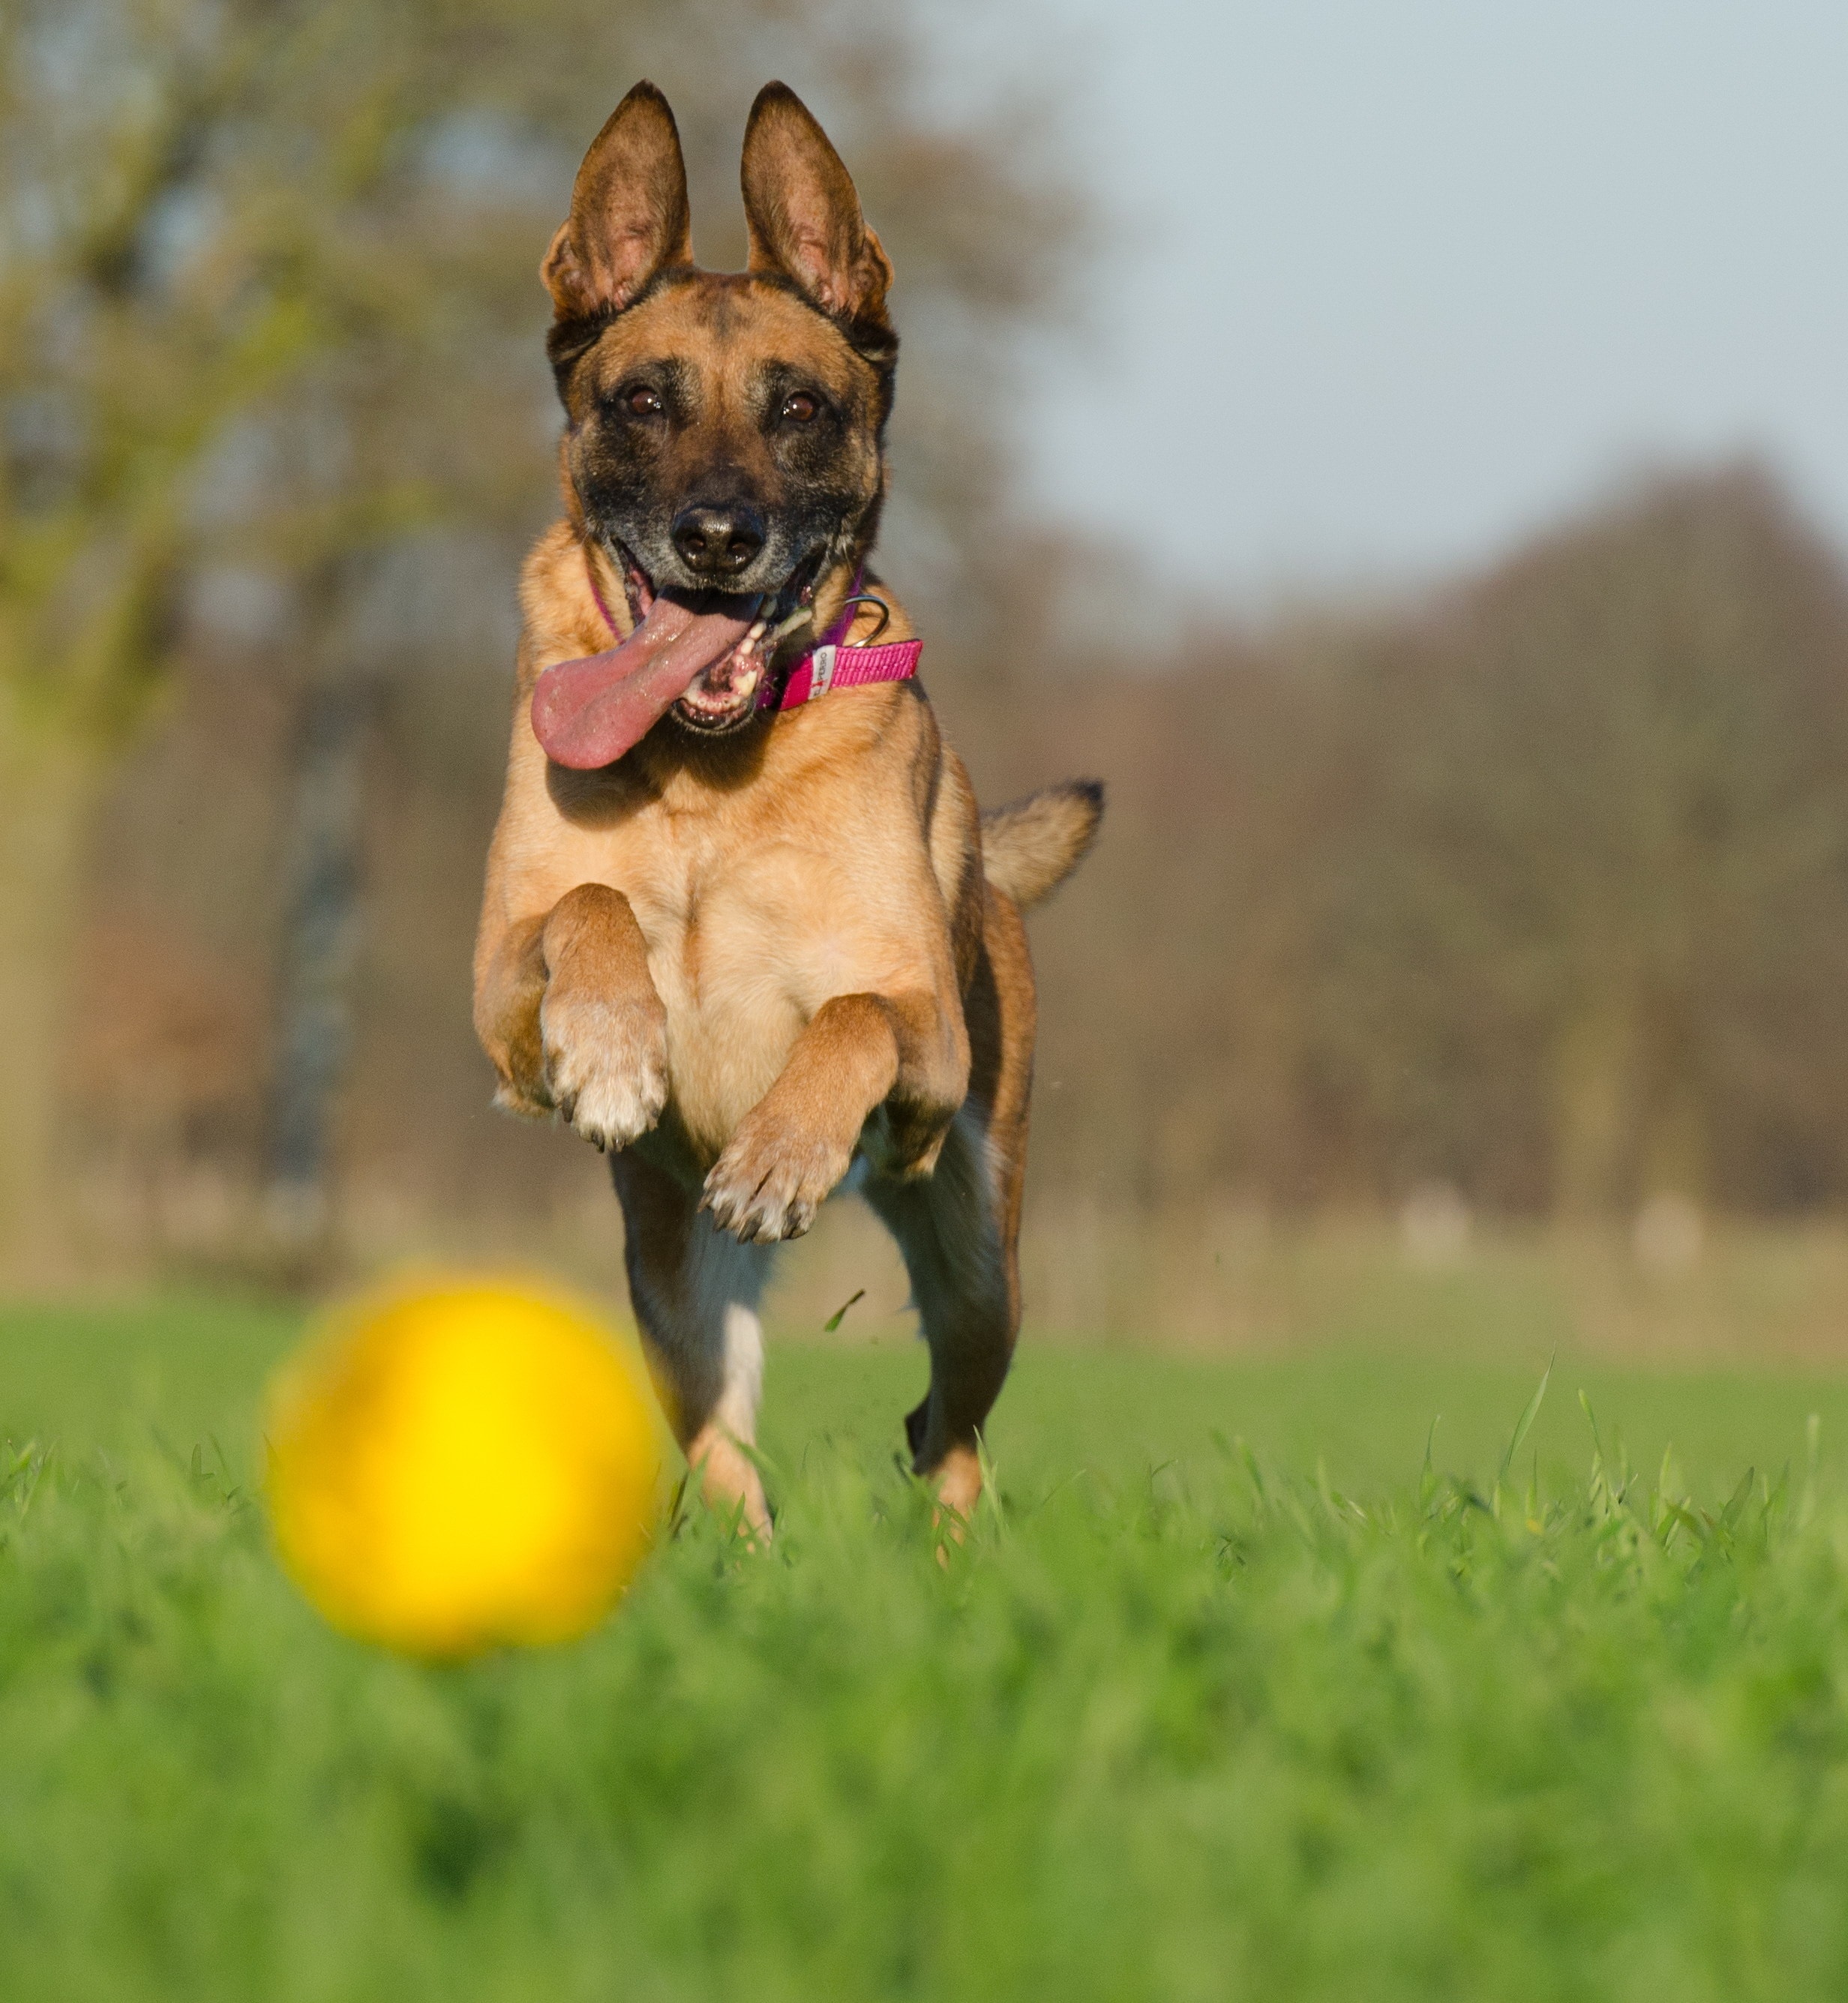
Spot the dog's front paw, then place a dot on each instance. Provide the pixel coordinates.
(772, 1178)
(605, 1065)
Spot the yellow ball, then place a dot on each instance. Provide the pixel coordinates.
(457, 1468)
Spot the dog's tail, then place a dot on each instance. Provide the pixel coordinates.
(1030, 847)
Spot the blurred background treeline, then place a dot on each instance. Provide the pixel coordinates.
(1518, 900)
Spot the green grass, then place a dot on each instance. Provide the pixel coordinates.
(1233, 1696)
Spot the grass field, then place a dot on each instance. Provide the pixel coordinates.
(1233, 1695)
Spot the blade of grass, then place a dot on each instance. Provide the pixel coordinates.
(1812, 1454)
(840, 1313)
(1523, 1426)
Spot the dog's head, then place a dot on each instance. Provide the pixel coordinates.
(724, 440)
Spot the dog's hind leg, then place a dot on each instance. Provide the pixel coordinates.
(951, 1229)
(959, 1228)
(696, 1291)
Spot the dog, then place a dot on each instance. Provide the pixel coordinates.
(744, 943)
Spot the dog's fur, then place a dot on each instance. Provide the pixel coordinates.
(742, 963)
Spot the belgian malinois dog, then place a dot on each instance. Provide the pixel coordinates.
(744, 928)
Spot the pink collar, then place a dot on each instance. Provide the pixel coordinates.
(830, 663)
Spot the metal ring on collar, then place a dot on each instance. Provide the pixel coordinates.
(885, 613)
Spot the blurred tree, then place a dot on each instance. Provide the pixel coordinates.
(1614, 826)
(269, 329)
(1536, 886)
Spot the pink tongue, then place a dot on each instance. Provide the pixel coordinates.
(587, 713)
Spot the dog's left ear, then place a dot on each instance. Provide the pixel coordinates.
(804, 215)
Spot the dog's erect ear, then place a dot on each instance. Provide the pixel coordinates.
(804, 215)
(628, 218)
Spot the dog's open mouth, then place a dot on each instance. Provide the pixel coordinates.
(703, 655)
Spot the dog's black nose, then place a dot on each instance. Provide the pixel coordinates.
(717, 542)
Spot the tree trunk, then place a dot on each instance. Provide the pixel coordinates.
(1595, 1105)
(320, 953)
(48, 795)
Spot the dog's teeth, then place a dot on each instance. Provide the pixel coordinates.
(801, 617)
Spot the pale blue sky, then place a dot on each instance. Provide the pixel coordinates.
(1396, 280)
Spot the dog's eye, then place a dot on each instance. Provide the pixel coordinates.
(800, 407)
(641, 402)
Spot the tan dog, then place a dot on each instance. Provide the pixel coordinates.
(745, 949)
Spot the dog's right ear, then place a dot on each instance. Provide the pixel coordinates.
(629, 218)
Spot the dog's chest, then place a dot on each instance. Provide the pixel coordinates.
(741, 952)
